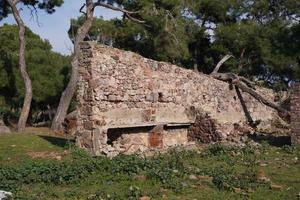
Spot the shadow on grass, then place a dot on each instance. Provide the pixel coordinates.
(57, 141)
(277, 141)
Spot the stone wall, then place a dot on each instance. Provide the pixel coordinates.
(295, 114)
(129, 102)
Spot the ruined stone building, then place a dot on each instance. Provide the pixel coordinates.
(129, 104)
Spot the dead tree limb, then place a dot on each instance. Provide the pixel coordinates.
(247, 86)
(261, 98)
(221, 62)
(241, 65)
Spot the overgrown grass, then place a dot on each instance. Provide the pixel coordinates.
(214, 172)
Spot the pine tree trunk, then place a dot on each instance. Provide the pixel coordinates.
(196, 67)
(68, 93)
(66, 98)
(22, 65)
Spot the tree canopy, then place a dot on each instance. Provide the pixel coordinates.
(164, 28)
(263, 36)
(47, 69)
(47, 5)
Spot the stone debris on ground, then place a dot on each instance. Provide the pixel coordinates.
(193, 177)
(274, 186)
(4, 195)
(237, 190)
(260, 174)
(145, 198)
(3, 127)
(48, 155)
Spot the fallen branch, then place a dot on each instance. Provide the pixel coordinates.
(247, 86)
(42, 124)
(284, 113)
(221, 62)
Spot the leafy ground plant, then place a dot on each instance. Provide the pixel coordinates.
(218, 171)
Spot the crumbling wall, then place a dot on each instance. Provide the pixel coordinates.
(295, 114)
(121, 89)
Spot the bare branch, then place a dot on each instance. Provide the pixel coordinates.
(221, 62)
(262, 99)
(174, 36)
(127, 13)
(31, 13)
(168, 14)
(99, 3)
(69, 48)
(246, 86)
(134, 19)
(241, 65)
(247, 82)
(15, 2)
(155, 9)
(34, 14)
(242, 84)
(81, 9)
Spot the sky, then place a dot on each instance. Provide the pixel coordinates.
(54, 27)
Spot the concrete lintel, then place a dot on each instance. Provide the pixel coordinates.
(148, 125)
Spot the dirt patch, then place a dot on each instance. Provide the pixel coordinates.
(38, 130)
(48, 155)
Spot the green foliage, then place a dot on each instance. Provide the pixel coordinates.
(127, 164)
(6, 113)
(164, 37)
(264, 54)
(47, 172)
(46, 68)
(229, 179)
(262, 35)
(217, 170)
(256, 33)
(135, 193)
(101, 195)
(216, 150)
(290, 149)
(168, 170)
(48, 6)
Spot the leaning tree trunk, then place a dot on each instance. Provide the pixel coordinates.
(68, 93)
(22, 65)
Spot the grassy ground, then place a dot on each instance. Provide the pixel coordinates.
(35, 166)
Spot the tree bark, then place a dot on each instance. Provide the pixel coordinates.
(68, 93)
(22, 65)
(196, 68)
